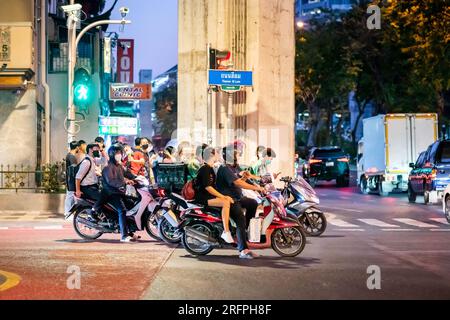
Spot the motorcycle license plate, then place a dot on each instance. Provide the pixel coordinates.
(330, 164)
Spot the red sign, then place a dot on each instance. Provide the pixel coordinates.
(129, 92)
(125, 61)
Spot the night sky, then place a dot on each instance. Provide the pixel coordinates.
(155, 30)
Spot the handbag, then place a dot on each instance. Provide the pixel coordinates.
(188, 191)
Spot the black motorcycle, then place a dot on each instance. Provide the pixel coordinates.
(107, 220)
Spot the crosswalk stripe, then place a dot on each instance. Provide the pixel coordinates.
(49, 228)
(399, 230)
(378, 223)
(342, 224)
(440, 220)
(415, 223)
(349, 230)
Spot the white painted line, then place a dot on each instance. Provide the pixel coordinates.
(342, 209)
(342, 224)
(349, 230)
(416, 223)
(4, 228)
(440, 220)
(400, 230)
(49, 228)
(378, 223)
(440, 230)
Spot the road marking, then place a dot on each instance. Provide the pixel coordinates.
(49, 228)
(4, 228)
(440, 230)
(378, 223)
(400, 230)
(342, 224)
(415, 223)
(342, 209)
(12, 280)
(440, 220)
(349, 230)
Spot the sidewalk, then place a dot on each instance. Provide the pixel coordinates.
(14, 206)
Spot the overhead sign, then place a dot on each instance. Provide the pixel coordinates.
(130, 92)
(125, 61)
(230, 78)
(118, 126)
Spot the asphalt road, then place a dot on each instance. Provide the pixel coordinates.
(407, 243)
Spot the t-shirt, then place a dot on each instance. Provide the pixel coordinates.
(205, 178)
(138, 169)
(71, 160)
(226, 176)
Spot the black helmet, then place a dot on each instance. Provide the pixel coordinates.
(113, 150)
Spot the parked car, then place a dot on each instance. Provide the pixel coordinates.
(430, 175)
(329, 163)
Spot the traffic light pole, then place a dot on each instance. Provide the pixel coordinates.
(74, 40)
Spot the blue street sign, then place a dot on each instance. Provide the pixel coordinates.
(230, 78)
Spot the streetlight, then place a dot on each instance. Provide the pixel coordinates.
(300, 24)
(73, 18)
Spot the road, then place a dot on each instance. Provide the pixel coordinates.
(407, 243)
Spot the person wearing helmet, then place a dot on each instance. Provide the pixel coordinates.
(115, 179)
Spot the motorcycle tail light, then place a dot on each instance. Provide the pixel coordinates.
(343, 160)
(314, 161)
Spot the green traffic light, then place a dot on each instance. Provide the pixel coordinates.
(81, 92)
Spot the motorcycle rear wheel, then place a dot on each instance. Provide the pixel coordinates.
(279, 241)
(77, 225)
(188, 242)
(319, 220)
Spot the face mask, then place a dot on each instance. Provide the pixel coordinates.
(268, 162)
(145, 147)
(96, 154)
(118, 158)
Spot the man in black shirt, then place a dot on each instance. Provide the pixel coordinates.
(71, 160)
(229, 182)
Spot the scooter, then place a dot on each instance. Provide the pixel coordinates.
(301, 200)
(273, 228)
(150, 200)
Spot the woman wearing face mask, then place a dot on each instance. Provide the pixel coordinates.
(115, 179)
(262, 167)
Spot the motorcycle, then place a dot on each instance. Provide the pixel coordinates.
(301, 200)
(151, 197)
(169, 220)
(202, 228)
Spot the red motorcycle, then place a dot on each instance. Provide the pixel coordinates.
(272, 228)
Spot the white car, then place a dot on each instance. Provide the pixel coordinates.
(446, 203)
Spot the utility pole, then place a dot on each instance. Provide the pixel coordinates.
(73, 18)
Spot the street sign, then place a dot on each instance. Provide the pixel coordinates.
(130, 92)
(125, 60)
(230, 78)
(230, 89)
(118, 126)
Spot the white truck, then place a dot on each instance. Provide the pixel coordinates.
(389, 145)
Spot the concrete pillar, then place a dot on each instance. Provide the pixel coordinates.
(260, 35)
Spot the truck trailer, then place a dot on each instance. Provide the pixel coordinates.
(389, 145)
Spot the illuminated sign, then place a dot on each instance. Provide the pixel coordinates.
(130, 92)
(118, 126)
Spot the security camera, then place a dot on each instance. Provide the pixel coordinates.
(71, 7)
(124, 11)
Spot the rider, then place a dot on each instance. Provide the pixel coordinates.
(207, 195)
(230, 183)
(115, 179)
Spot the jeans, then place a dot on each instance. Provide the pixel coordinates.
(237, 215)
(115, 199)
(69, 202)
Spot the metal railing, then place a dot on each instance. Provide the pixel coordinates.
(48, 178)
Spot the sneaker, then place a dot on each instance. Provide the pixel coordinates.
(226, 236)
(254, 255)
(92, 215)
(127, 239)
(246, 256)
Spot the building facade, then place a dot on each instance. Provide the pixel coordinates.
(261, 38)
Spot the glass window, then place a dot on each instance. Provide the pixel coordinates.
(421, 160)
(443, 154)
(327, 153)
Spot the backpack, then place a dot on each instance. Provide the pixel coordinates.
(72, 174)
(188, 191)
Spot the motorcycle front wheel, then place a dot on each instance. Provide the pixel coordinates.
(82, 229)
(151, 225)
(168, 233)
(288, 242)
(194, 246)
(314, 223)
